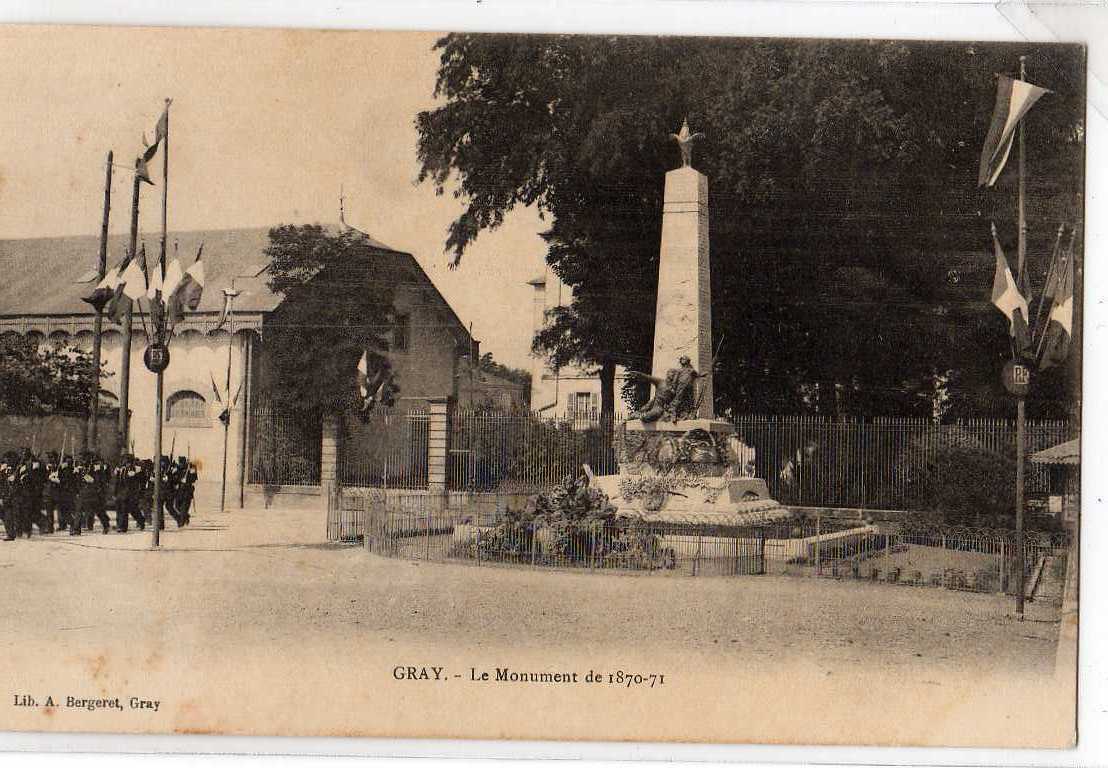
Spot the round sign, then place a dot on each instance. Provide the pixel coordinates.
(156, 358)
(1016, 377)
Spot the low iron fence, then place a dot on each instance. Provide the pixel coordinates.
(422, 527)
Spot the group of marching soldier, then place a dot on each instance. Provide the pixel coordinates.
(59, 493)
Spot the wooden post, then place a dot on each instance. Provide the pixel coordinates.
(1019, 507)
(91, 434)
(159, 333)
(124, 424)
(227, 395)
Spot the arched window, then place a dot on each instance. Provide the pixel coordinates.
(187, 409)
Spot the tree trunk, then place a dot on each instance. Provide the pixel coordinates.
(607, 388)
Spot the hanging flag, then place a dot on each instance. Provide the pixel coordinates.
(172, 279)
(160, 132)
(1013, 100)
(105, 289)
(215, 389)
(1059, 329)
(154, 280)
(134, 278)
(1008, 299)
(362, 375)
(229, 295)
(188, 291)
(118, 304)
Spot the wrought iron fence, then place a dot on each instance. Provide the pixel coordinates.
(495, 450)
(285, 445)
(387, 450)
(873, 463)
(423, 527)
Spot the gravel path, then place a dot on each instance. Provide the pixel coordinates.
(258, 596)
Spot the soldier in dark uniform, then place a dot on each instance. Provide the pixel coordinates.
(67, 492)
(186, 489)
(92, 480)
(146, 500)
(7, 495)
(169, 485)
(29, 479)
(52, 491)
(128, 481)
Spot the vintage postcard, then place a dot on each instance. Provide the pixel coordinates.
(561, 387)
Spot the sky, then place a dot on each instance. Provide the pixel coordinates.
(266, 127)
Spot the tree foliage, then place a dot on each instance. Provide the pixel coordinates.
(850, 250)
(338, 303)
(36, 382)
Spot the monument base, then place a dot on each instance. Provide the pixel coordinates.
(693, 470)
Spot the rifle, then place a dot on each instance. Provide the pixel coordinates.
(715, 357)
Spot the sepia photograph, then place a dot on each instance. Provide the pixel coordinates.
(607, 388)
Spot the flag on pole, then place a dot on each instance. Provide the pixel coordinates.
(229, 294)
(173, 275)
(117, 305)
(154, 279)
(215, 389)
(160, 131)
(134, 278)
(105, 289)
(1059, 329)
(187, 292)
(362, 375)
(1008, 299)
(1013, 100)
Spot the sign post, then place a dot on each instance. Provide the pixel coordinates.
(1017, 380)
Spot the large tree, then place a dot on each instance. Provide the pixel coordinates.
(850, 251)
(36, 382)
(338, 303)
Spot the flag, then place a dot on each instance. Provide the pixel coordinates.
(188, 291)
(1059, 329)
(119, 303)
(105, 289)
(161, 130)
(154, 280)
(1008, 299)
(215, 389)
(134, 278)
(172, 279)
(1013, 100)
(362, 375)
(228, 296)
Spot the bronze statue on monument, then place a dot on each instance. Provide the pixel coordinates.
(673, 396)
(685, 141)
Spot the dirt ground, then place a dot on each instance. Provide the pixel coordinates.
(249, 622)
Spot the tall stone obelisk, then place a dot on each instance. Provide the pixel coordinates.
(683, 320)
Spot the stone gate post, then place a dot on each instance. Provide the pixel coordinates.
(438, 444)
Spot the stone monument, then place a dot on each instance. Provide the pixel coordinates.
(677, 461)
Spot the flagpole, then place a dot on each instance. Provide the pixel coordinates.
(159, 331)
(1021, 400)
(227, 395)
(1022, 184)
(128, 318)
(91, 434)
(1049, 273)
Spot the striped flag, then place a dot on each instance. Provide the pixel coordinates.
(161, 130)
(186, 294)
(1013, 100)
(117, 305)
(105, 289)
(134, 278)
(1008, 299)
(1059, 329)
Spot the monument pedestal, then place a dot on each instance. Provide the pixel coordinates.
(693, 471)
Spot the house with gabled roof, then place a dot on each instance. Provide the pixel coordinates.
(41, 298)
